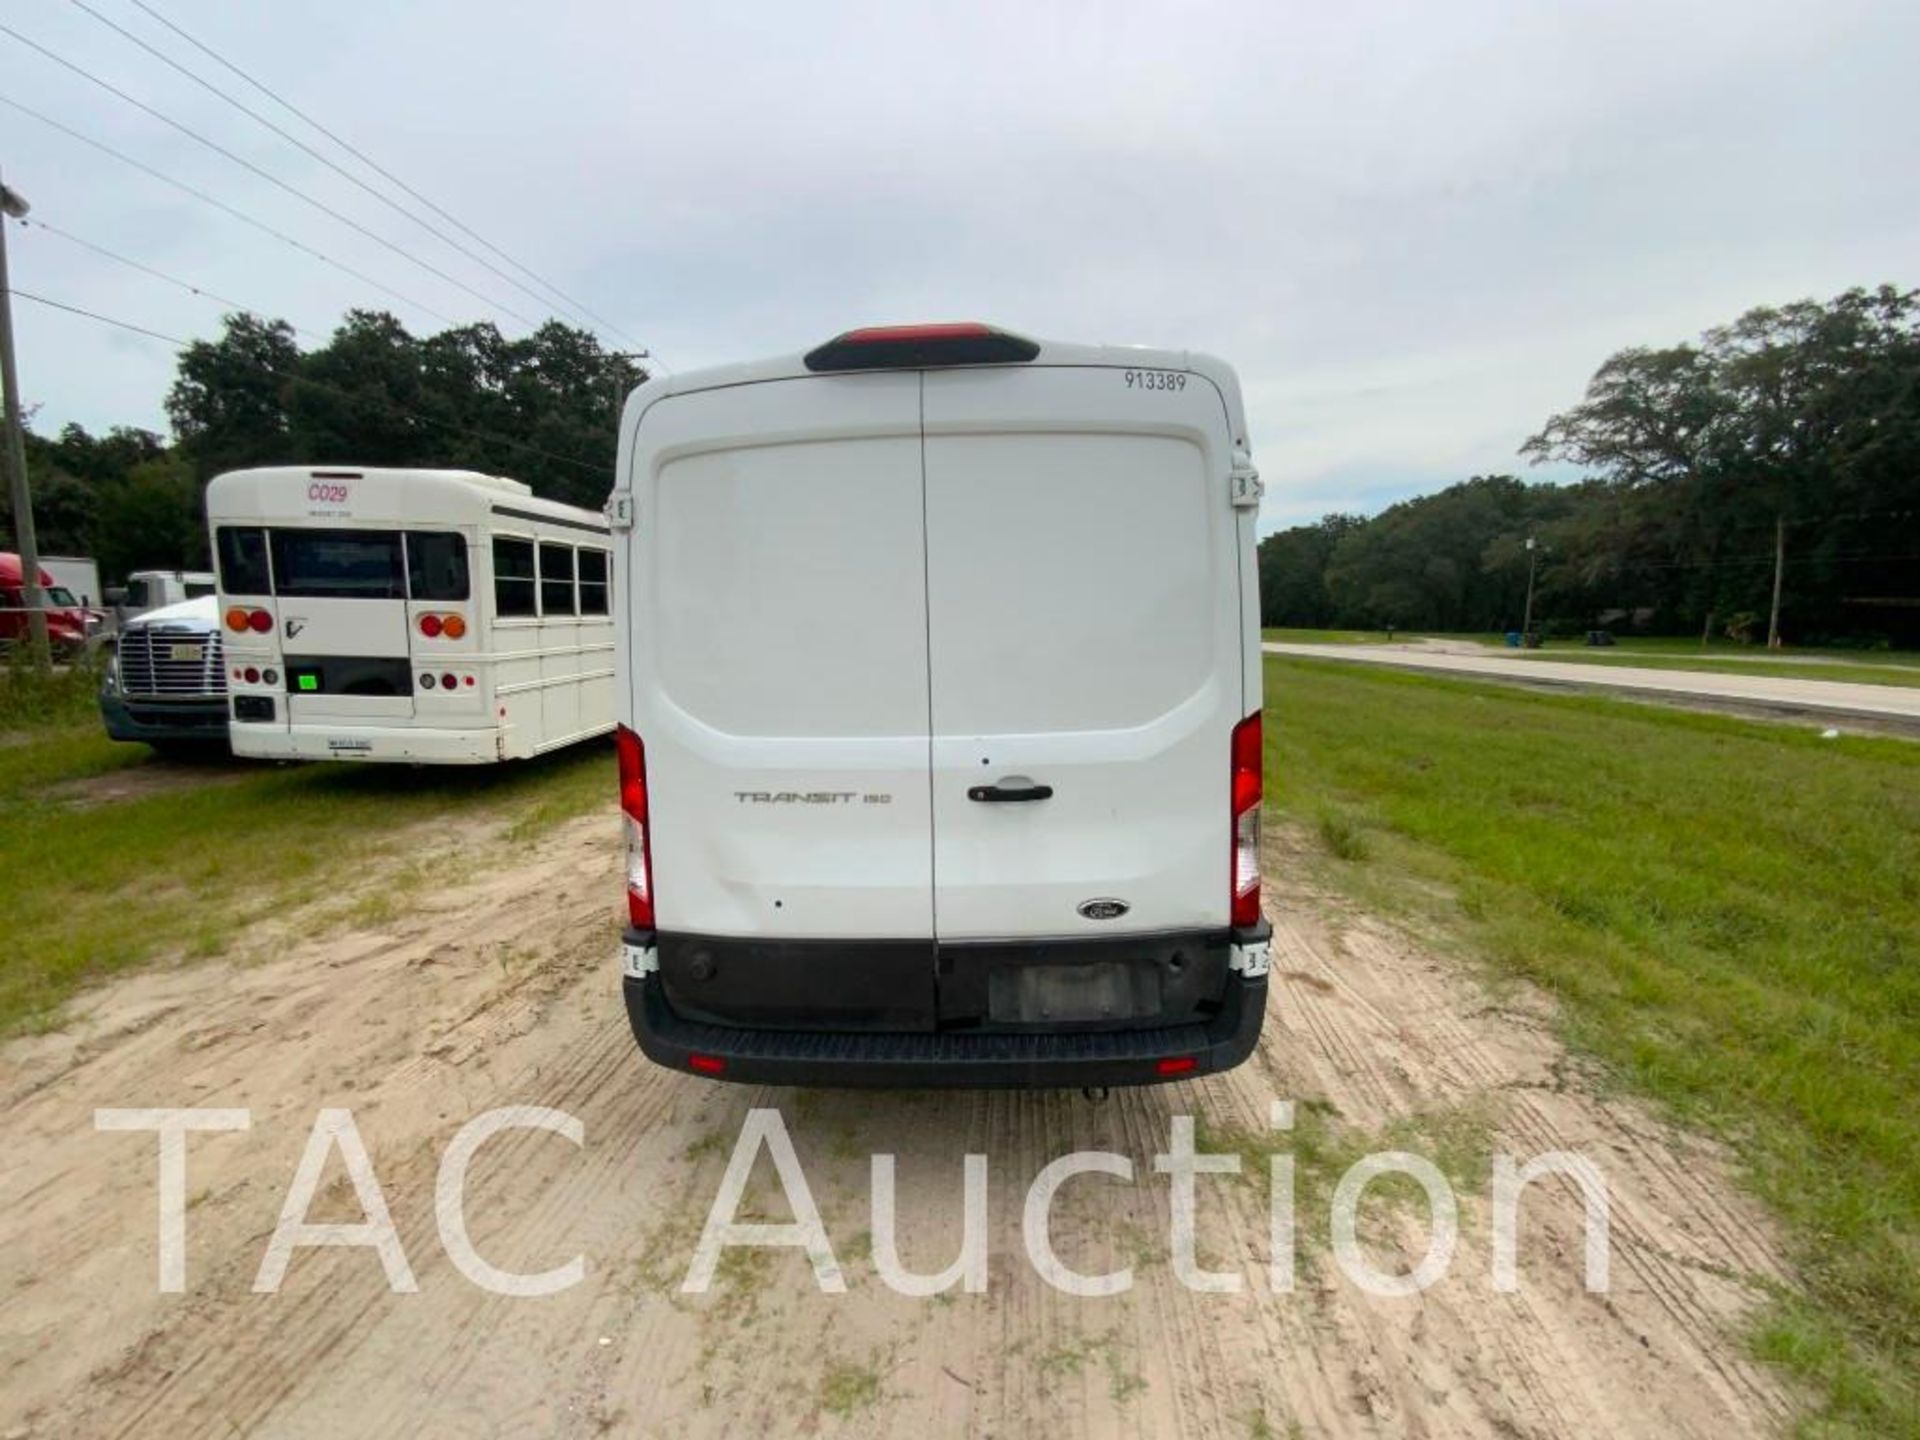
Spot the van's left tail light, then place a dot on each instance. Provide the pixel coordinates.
(633, 809)
(1246, 822)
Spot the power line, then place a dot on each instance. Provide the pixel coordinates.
(384, 173)
(309, 150)
(222, 205)
(265, 175)
(141, 266)
(103, 319)
(357, 398)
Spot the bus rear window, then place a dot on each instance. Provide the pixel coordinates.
(436, 565)
(339, 564)
(243, 565)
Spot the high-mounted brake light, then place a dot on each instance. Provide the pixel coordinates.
(1246, 822)
(632, 757)
(921, 347)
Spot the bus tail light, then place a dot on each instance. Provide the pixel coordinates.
(259, 621)
(430, 625)
(453, 626)
(237, 619)
(1246, 822)
(632, 756)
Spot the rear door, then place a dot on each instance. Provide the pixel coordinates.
(341, 595)
(778, 663)
(1084, 636)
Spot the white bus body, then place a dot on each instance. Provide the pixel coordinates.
(421, 616)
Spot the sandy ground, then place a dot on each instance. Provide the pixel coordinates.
(502, 989)
(1890, 707)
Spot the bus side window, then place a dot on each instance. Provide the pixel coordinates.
(436, 565)
(243, 563)
(513, 586)
(556, 579)
(593, 582)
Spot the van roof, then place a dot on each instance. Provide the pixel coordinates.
(793, 366)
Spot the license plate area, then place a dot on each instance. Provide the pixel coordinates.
(1123, 983)
(186, 652)
(1107, 992)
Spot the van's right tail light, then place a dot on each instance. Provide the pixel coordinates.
(1246, 822)
(633, 809)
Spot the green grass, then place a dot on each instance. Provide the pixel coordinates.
(846, 1388)
(1730, 916)
(59, 696)
(88, 889)
(1787, 669)
(1689, 647)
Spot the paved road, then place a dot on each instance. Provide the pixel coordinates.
(1887, 704)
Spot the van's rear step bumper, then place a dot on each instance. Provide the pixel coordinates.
(968, 1058)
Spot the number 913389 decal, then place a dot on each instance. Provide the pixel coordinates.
(1155, 380)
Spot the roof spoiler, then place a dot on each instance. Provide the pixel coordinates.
(921, 347)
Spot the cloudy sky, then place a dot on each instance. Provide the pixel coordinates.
(1414, 229)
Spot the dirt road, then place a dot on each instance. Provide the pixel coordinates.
(1893, 706)
(500, 988)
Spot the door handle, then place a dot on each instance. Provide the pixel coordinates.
(1020, 789)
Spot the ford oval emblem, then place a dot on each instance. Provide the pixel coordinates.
(1104, 909)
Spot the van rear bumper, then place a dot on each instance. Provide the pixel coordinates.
(987, 1059)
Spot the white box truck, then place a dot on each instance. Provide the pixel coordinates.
(938, 688)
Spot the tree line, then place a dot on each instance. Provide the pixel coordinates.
(543, 409)
(1762, 483)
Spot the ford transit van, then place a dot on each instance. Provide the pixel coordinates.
(938, 688)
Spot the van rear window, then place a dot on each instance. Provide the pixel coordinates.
(243, 565)
(339, 564)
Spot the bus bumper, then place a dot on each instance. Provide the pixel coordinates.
(414, 745)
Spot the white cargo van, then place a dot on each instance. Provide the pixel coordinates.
(939, 697)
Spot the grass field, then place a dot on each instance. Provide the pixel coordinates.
(1326, 637)
(1862, 667)
(183, 863)
(1874, 673)
(1730, 916)
(1689, 647)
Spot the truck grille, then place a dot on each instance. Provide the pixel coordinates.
(148, 666)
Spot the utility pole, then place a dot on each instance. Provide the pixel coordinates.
(13, 206)
(1779, 570)
(1526, 625)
